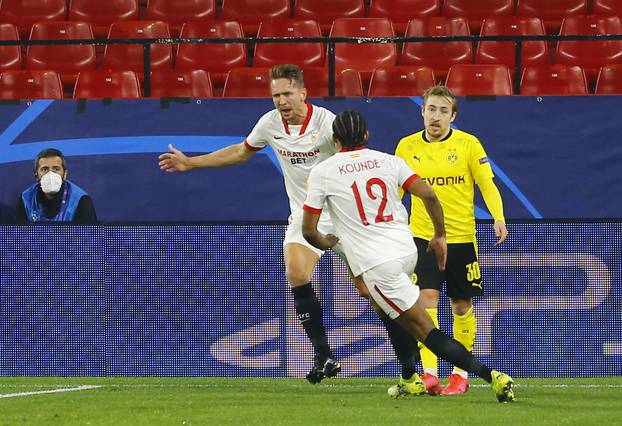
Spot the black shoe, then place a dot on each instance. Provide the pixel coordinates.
(329, 368)
(332, 367)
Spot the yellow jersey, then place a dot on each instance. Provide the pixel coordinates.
(451, 167)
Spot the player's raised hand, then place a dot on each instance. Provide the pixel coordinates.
(174, 161)
(438, 245)
(500, 231)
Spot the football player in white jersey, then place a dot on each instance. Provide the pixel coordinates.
(359, 187)
(301, 136)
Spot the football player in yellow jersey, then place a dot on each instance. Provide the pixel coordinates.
(451, 162)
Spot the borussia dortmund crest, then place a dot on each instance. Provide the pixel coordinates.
(452, 156)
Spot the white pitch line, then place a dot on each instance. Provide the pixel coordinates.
(79, 388)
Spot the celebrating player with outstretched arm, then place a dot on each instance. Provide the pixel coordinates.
(359, 188)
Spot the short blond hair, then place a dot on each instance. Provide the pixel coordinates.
(289, 72)
(443, 92)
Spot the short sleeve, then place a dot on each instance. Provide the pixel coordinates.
(258, 137)
(316, 191)
(405, 175)
(479, 163)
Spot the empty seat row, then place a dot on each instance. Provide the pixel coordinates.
(463, 79)
(250, 12)
(218, 58)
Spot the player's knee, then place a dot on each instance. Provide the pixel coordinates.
(428, 299)
(296, 276)
(461, 306)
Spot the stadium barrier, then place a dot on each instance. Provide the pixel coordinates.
(211, 300)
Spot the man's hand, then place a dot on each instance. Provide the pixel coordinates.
(500, 231)
(328, 241)
(174, 161)
(438, 245)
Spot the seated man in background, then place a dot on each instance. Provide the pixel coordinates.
(52, 198)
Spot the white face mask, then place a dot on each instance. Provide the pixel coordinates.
(51, 182)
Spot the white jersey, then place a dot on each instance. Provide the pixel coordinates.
(298, 148)
(360, 190)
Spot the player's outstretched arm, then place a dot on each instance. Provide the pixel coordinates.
(311, 233)
(438, 243)
(177, 161)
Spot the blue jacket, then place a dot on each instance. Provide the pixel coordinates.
(71, 197)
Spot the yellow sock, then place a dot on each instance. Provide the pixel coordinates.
(428, 359)
(465, 327)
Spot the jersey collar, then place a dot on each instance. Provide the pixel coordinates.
(304, 124)
(356, 148)
(444, 139)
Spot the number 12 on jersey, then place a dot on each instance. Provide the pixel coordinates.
(380, 216)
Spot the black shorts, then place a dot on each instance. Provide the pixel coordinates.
(462, 273)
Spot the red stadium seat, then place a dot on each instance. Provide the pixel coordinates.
(609, 80)
(347, 82)
(364, 58)
(130, 56)
(477, 79)
(556, 79)
(24, 13)
(250, 13)
(401, 81)
(69, 60)
(107, 84)
(502, 52)
(255, 83)
(552, 12)
(247, 83)
(180, 11)
(607, 7)
(478, 10)
(438, 55)
(326, 11)
(10, 56)
(101, 14)
(590, 55)
(30, 84)
(216, 58)
(402, 11)
(180, 84)
(302, 54)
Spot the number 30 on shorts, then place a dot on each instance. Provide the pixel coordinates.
(473, 272)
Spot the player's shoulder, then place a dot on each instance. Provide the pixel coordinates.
(269, 118)
(463, 136)
(321, 113)
(412, 138)
(322, 168)
(408, 143)
(380, 154)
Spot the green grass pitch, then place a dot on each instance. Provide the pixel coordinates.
(235, 401)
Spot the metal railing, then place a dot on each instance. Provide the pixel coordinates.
(329, 42)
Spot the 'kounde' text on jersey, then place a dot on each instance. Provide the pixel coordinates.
(360, 191)
(299, 148)
(450, 167)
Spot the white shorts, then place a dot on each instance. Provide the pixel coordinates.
(294, 235)
(391, 287)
